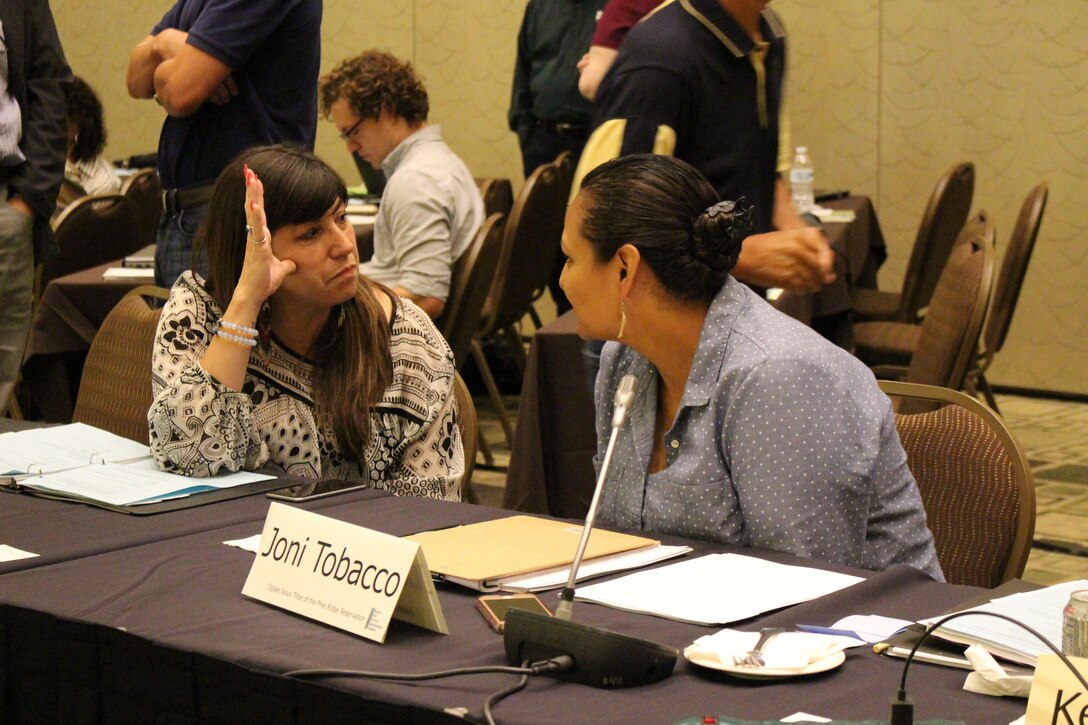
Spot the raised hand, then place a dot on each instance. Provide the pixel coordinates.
(262, 272)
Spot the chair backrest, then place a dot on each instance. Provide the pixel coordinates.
(945, 214)
(566, 164)
(1013, 270)
(975, 482)
(948, 340)
(531, 243)
(467, 426)
(498, 195)
(93, 230)
(115, 391)
(144, 190)
(473, 278)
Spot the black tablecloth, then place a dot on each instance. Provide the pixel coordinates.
(161, 631)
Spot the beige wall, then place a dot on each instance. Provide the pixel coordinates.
(887, 95)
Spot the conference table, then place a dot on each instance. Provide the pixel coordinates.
(71, 310)
(158, 631)
(551, 469)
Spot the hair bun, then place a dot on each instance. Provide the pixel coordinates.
(718, 231)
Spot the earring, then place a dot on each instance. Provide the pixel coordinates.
(340, 319)
(623, 319)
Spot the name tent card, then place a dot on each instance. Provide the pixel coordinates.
(344, 575)
(1057, 697)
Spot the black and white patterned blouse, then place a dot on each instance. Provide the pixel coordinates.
(199, 427)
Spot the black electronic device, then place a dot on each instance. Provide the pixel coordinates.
(601, 658)
(316, 489)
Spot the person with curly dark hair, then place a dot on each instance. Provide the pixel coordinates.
(431, 207)
(86, 166)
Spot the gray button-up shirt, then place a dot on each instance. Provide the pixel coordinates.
(430, 210)
(782, 441)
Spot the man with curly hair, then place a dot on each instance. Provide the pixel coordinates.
(431, 207)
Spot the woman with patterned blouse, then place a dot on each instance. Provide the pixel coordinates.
(747, 427)
(286, 358)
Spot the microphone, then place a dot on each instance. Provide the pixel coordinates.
(601, 658)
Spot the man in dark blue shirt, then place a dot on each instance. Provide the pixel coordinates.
(230, 74)
(703, 80)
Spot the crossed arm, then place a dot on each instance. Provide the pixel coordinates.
(180, 76)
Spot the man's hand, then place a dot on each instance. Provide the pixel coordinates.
(798, 260)
(433, 306)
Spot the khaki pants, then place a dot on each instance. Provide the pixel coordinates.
(16, 292)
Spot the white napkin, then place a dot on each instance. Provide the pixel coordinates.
(786, 651)
(990, 678)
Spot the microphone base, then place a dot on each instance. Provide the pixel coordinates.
(601, 658)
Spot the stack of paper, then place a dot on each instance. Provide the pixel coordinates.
(716, 589)
(1040, 609)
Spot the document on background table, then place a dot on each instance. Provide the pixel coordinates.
(129, 273)
(715, 589)
(1040, 609)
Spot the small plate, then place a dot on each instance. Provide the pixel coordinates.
(765, 673)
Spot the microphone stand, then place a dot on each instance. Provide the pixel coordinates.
(600, 658)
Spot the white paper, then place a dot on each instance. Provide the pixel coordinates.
(361, 219)
(141, 482)
(716, 589)
(590, 568)
(129, 273)
(250, 543)
(10, 553)
(871, 627)
(64, 446)
(804, 717)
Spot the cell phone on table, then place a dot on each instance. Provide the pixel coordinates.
(316, 489)
(495, 606)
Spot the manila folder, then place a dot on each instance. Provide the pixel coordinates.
(515, 545)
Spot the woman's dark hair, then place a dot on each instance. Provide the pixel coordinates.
(353, 349)
(671, 214)
(85, 113)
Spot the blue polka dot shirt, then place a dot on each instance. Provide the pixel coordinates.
(782, 441)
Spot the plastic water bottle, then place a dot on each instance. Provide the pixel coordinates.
(801, 179)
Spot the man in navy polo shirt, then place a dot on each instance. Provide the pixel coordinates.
(702, 80)
(230, 74)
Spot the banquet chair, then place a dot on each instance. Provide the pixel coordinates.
(975, 482)
(530, 246)
(498, 195)
(889, 342)
(948, 337)
(91, 231)
(473, 276)
(468, 427)
(944, 216)
(1010, 279)
(144, 190)
(115, 390)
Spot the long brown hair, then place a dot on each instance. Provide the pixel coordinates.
(352, 351)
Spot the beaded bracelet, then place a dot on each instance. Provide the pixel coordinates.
(251, 331)
(236, 339)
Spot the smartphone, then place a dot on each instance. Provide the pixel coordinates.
(495, 606)
(316, 489)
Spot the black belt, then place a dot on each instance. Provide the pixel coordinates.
(177, 200)
(565, 129)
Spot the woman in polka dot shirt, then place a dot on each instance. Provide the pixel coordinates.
(747, 427)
